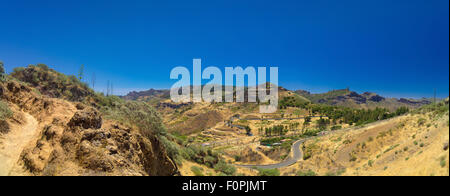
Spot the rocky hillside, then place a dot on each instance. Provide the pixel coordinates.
(367, 100)
(44, 132)
(51, 83)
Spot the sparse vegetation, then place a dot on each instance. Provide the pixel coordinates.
(442, 162)
(336, 173)
(268, 172)
(336, 127)
(140, 115)
(306, 173)
(225, 168)
(54, 84)
(293, 101)
(391, 148)
(5, 112)
(370, 163)
(308, 150)
(198, 171)
(421, 121)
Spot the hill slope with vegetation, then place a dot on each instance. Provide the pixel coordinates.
(78, 131)
(367, 100)
(412, 144)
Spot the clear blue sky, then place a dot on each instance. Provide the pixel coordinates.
(397, 48)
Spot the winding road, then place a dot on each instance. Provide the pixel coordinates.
(297, 155)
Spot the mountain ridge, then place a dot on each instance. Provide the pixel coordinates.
(341, 97)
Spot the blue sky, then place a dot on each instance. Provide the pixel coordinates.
(397, 48)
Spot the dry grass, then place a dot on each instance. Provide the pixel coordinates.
(386, 148)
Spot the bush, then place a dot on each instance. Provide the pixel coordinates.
(268, 172)
(370, 163)
(308, 150)
(144, 117)
(5, 112)
(223, 167)
(237, 158)
(134, 113)
(306, 173)
(197, 170)
(443, 163)
(336, 127)
(337, 173)
(402, 110)
(421, 121)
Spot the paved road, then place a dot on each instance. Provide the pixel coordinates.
(297, 155)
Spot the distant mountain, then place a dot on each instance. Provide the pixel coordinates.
(147, 95)
(368, 100)
(154, 95)
(342, 97)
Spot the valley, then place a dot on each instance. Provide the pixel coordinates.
(53, 124)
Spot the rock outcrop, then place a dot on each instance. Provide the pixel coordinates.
(87, 119)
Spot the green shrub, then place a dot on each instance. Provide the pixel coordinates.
(308, 150)
(421, 121)
(197, 170)
(347, 141)
(336, 127)
(144, 117)
(268, 172)
(306, 173)
(223, 167)
(443, 163)
(237, 158)
(5, 112)
(337, 173)
(370, 163)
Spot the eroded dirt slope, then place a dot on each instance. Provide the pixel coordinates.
(59, 137)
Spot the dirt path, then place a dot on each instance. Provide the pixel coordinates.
(14, 142)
